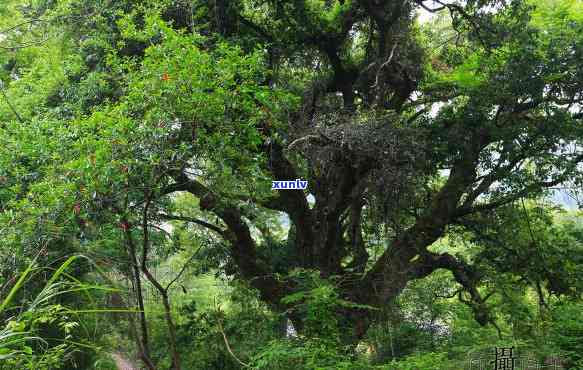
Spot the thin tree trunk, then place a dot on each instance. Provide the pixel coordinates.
(143, 342)
(168, 316)
(171, 331)
(163, 291)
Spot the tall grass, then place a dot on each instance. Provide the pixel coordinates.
(16, 339)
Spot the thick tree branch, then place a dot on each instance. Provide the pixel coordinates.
(463, 274)
(242, 246)
(394, 268)
(294, 203)
(360, 254)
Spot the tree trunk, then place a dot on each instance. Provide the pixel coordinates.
(142, 342)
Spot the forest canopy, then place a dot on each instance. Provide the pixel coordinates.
(139, 223)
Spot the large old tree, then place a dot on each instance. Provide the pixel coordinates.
(403, 129)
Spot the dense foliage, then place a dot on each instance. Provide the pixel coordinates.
(140, 139)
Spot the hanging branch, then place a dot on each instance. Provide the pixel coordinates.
(203, 223)
(389, 59)
(227, 345)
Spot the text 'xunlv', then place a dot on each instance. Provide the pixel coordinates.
(289, 185)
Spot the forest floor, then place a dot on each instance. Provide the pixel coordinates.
(122, 362)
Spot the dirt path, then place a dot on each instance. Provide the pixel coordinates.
(122, 362)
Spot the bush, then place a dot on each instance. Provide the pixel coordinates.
(566, 334)
(420, 361)
(292, 354)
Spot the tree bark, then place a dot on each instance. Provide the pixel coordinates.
(143, 342)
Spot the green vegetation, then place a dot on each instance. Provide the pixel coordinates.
(139, 142)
